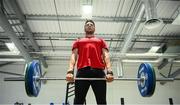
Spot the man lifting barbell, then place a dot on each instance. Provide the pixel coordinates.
(93, 56)
(90, 75)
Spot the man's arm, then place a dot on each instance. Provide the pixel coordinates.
(69, 75)
(73, 59)
(109, 75)
(107, 59)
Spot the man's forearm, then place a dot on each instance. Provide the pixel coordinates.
(108, 63)
(107, 59)
(72, 62)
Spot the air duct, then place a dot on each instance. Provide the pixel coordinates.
(152, 20)
(133, 29)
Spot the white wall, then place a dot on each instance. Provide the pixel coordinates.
(54, 91)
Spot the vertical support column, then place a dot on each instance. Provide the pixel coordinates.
(120, 71)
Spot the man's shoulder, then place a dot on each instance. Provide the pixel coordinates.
(99, 38)
(80, 39)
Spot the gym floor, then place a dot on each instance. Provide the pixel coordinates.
(136, 31)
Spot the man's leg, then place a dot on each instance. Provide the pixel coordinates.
(81, 88)
(99, 89)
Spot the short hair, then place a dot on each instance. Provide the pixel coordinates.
(90, 21)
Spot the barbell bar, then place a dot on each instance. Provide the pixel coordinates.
(116, 79)
(120, 79)
(146, 79)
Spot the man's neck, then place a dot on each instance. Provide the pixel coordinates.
(89, 35)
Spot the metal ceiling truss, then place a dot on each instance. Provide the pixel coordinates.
(139, 39)
(26, 28)
(11, 34)
(78, 18)
(72, 36)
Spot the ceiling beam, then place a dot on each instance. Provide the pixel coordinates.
(27, 30)
(78, 18)
(12, 35)
(73, 36)
(6, 63)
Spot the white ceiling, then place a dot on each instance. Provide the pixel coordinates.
(55, 24)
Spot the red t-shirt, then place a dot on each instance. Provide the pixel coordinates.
(90, 52)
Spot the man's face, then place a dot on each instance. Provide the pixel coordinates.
(89, 28)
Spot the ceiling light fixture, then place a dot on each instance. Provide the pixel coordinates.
(12, 47)
(87, 11)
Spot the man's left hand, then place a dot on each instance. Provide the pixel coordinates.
(109, 77)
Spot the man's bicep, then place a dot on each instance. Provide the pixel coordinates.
(75, 52)
(105, 51)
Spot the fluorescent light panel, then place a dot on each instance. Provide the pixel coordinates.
(12, 47)
(87, 11)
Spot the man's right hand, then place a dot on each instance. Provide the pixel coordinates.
(69, 77)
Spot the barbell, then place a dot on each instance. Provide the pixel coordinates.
(146, 79)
